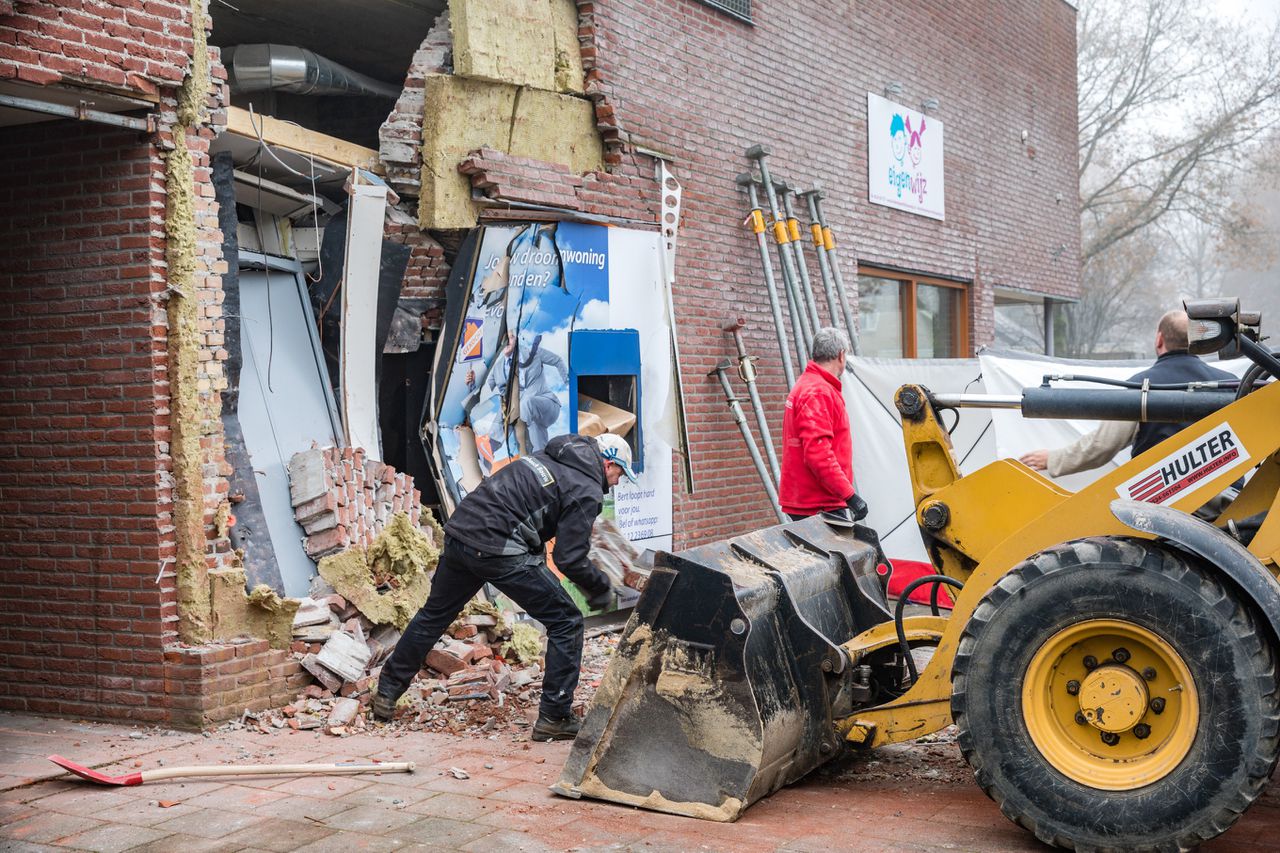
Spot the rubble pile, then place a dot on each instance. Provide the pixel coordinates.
(343, 499)
(483, 677)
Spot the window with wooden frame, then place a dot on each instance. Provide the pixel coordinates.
(901, 315)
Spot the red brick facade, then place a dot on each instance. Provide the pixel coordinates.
(680, 78)
(81, 408)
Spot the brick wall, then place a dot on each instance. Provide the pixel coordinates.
(678, 77)
(130, 44)
(214, 683)
(81, 412)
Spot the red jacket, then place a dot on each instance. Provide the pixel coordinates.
(817, 450)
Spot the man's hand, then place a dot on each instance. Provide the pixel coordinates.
(1036, 460)
(857, 507)
(602, 599)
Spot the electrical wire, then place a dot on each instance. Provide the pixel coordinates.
(262, 246)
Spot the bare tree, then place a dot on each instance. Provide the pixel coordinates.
(1171, 104)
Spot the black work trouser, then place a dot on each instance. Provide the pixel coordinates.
(527, 581)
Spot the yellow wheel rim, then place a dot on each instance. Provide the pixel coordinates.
(1110, 704)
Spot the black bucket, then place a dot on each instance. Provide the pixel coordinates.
(728, 676)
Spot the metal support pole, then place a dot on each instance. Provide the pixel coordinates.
(797, 247)
(758, 153)
(779, 324)
(820, 249)
(829, 243)
(741, 420)
(1049, 306)
(747, 373)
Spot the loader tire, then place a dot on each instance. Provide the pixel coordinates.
(1154, 624)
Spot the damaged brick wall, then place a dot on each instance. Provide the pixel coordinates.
(211, 684)
(131, 45)
(427, 271)
(89, 599)
(400, 137)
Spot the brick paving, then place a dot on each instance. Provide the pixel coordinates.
(504, 805)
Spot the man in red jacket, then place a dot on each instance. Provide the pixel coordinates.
(817, 450)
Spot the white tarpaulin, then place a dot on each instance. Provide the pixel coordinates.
(879, 460)
(982, 435)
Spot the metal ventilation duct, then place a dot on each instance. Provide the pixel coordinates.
(286, 68)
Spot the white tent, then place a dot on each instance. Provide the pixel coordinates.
(980, 437)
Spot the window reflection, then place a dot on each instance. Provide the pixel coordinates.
(880, 316)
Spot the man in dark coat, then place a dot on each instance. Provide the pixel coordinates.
(1173, 365)
(498, 535)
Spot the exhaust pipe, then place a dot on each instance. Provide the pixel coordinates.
(287, 68)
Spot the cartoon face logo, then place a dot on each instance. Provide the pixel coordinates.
(913, 141)
(898, 136)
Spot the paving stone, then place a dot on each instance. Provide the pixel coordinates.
(371, 819)
(517, 842)
(43, 827)
(86, 802)
(233, 798)
(453, 806)
(178, 841)
(324, 787)
(209, 823)
(142, 812)
(112, 838)
(384, 795)
(442, 831)
(345, 842)
(278, 834)
(309, 809)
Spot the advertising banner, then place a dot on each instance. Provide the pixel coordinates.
(904, 159)
(508, 391)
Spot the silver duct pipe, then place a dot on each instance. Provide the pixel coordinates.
(286, 68)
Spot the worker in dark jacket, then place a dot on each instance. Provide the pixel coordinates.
(1174, 365)
(498, 535)
(817, 450)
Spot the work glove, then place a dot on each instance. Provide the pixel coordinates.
(601, 599)
(857, 507)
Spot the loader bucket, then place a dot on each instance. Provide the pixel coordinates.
(723, 684)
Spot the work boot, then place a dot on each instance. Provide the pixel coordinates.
(547, 729)
(384, 708)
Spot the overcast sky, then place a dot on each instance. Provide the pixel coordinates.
(1264, 11)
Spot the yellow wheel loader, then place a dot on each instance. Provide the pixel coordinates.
(1110, 660)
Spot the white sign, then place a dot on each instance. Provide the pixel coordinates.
(904, 158)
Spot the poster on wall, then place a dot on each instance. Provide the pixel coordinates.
(904, 158)
(504, 376)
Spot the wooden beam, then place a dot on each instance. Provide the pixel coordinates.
(283, 134)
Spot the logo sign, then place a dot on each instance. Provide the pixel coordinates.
(1215, 452)
(904, 158)
(472, 340)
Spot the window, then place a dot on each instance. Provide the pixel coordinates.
(740, 9)
(909, 316)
